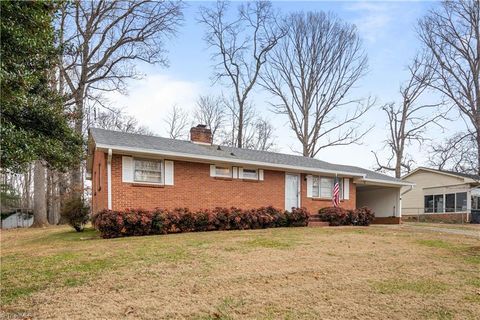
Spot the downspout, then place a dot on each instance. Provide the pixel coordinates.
(109, 179)
(400, 200)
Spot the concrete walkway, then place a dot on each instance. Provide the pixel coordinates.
(445, 229)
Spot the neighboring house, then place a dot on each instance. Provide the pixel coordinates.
(440, 195)
(140, 171)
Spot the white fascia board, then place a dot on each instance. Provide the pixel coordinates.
(202, 158)
(387, 183)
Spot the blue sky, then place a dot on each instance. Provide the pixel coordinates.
(389, 37)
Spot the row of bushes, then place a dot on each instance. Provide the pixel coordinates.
(337, 216)
(112, 224)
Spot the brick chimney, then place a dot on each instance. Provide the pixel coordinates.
(201, 134)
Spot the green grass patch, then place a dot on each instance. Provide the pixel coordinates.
(268, 243)
(475, 282)
(470, 254)
(439, 314)
(420, 286)
(436, 244)
(20, 277)
(26, 273)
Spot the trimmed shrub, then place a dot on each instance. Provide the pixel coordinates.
(109, 223)
(364, 216)
(297, 218)
(75, 212)
(112, 224)
(161, 223)
(337, 216)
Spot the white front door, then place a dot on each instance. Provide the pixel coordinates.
(292, 191)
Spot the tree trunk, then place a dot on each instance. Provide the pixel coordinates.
(27, 188)
(76, 181)
(62, 193)
(478, 150)
(55, 197)
(240, 125)
(49, 197)
(39, 199)
(398, 166)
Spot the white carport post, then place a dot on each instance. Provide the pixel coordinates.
(109, 179)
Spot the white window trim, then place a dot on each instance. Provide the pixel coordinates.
(162, 172)
(236, 172)
(213, 171)
(310, 192)
(445, 203)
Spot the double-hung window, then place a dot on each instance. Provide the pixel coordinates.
(322, 187)
(146, 170)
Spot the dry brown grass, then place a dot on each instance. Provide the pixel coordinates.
(298, 273)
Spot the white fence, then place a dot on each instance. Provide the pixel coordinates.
(17, 220)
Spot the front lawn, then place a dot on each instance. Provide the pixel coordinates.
(335, 273)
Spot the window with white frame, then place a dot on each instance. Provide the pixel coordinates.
(322, 187)
(147, 170)
(223, 171)
(449, 202)
(250, 174)
(428, 203)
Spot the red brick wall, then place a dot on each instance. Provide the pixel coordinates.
(194, 188)
(99, 188)
(313, 205)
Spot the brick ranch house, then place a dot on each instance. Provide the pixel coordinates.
(140, 171)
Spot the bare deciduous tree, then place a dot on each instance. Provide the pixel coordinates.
(408, 121)
(311, 72)
(116, 119)
(262, 136)
(177, 123)
(101, 42)
(241, 47)
(258, 133)
(211, 112)
(457, 153)
(451, 33)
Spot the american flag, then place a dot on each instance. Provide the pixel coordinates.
(336, 193)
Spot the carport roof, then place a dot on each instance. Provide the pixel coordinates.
(130, 142)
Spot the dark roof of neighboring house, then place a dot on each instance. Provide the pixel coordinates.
(459, 174)
(138, 141)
